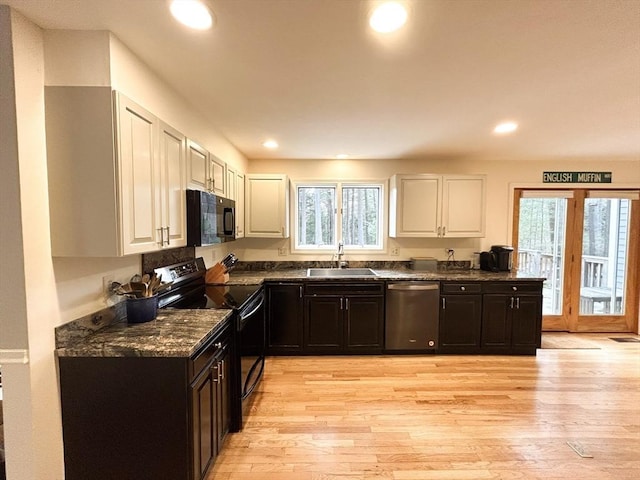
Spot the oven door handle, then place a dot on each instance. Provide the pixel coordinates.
(244, 316)
(248, 389)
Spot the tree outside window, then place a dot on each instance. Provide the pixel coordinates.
(320, 224)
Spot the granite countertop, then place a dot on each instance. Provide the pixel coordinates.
(174, 333)
(256, 277)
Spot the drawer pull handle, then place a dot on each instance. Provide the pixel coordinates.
(462, 288)
(444, 304)
(515, 289)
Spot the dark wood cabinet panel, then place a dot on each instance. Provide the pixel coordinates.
(511, 323)
(344, 318)
(156, 417)
(460, 323)
(323, 324)
(364, 323)
(496, 322)
(491, 317)
(284, 318)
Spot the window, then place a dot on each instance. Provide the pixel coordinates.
(320, 225)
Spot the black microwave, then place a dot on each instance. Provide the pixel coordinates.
(210, 219)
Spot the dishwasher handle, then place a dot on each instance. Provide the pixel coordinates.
(404, 286)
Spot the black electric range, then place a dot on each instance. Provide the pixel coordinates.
(189, 291)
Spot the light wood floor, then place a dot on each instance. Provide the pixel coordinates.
(444, 417)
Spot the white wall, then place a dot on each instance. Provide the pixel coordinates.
(43, 292)
(31, 402)
(501, 175)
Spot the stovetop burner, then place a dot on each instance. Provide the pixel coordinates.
(190, 291)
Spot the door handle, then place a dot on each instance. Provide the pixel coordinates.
(444, 304)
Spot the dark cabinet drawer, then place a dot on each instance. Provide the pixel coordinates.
(342, 289)
(513, 288)
(459, 287)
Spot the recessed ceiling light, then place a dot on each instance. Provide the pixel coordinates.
(192, 13)
(270, 144)
(505, 127)
(388, 17)
(342, 156)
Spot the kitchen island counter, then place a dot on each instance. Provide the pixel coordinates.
(174, 333)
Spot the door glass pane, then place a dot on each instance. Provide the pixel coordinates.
(605, 241)
(541, 240)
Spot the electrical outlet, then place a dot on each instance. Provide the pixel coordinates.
(395, 251)
(282, 251)
(107, 280)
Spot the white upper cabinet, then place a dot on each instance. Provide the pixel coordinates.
(197, 167)
(267, 206)
(217, 176)
(231, 184)
(139, 166)
(240, 209)
(425, 205)
(463, 206)
(113, 175)
(173, 179)
(205, 171)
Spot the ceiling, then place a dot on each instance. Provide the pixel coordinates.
(313, 76)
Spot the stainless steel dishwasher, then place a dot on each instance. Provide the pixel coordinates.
(412, 315)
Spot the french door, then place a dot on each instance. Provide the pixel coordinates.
(586, 244)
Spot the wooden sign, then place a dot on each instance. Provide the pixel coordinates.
(576, 177)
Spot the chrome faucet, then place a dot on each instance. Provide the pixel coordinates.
(339, 262)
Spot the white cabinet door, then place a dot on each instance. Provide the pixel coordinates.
(240, 206)
(173, 184)
(231, 184)
(217, 175)
(138, 166)
(197, 167)
(463, 206)
(415, 205)
(267, 206)
(425, 205)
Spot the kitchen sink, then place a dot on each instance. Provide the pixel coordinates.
(340, 272)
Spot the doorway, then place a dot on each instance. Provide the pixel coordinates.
(586, 244)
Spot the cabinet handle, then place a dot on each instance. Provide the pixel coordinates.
(444, 304)
(462, 288)
(341, 303)
(511, 302)
(216, 377)
(439, 230)
(444, 231)
(346, 304)
(221, 369)
(168, 237)
(161, 230)
(218, 345)
(300, 291)
(518, 303)
(515, 289)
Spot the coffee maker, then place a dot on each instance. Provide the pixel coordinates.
(504, 257)
(498, 259)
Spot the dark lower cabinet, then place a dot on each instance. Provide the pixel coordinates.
(146, 418)
(210, 406)
(284, 318)
(512, 322)
(344, 318)
(501, 317)
(460, 318)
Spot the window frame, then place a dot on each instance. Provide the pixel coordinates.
(338, 216)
